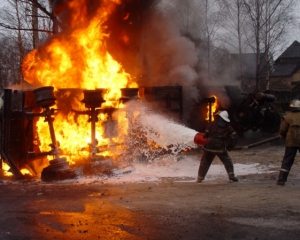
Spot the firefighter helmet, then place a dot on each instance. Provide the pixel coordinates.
(295, 103)
(224, 115)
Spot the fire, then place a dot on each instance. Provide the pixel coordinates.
(212, 108)
(25, 171)
(125, 39)
(8, 173)
(5, 168)
(126, 16)
(78, 58)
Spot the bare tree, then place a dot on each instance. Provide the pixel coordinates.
(190, 17)
(20, 20)
(268, 23)
(45, 8)
(278, 21)
(200, 22)
(254, 10)
(233, 22)
(9, 61)
(31, 12)
(17, 18)
(35, 26)
(20, 43)
(209, 28)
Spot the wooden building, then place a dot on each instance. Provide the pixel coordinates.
(285, 79)
(284, 76)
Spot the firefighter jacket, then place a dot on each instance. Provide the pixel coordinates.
(220, 135)
(290, 129)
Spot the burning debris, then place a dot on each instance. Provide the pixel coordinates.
(116, 139)
(59, 167)
(95, 101)
(78, 56)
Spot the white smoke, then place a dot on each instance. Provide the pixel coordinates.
(169, 58)
(174, 53)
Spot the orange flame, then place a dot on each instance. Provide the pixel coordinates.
(214, 106)
(78, 58)
(6, 168)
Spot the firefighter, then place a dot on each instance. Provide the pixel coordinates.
(290, 130)
(220, 137)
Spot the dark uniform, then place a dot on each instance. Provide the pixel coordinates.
(290, 130)
(220, 136)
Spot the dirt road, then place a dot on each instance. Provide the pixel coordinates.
(169, 208)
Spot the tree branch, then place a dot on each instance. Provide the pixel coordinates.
(44, 10)
(23, 29)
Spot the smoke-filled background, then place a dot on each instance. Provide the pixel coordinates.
(152, 42)
(156, 42)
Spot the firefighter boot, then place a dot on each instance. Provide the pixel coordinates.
(199, 179)
(233, 178)
(282, 178)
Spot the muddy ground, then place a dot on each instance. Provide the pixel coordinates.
(253, 208)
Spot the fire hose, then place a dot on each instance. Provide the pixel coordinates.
(200, 141)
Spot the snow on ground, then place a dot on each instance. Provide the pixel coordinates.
(179, 169)
(166, 168)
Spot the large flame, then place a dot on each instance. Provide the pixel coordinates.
(212, 109)
(8, 173)
(78, 58)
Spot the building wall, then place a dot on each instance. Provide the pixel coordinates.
(296, 76)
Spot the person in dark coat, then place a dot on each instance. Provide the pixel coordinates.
(290, 130)
(220, 137)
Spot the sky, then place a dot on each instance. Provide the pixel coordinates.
(295, 35)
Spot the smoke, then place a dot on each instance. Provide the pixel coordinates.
(171, 52)
(169, 58)
(148, 39)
